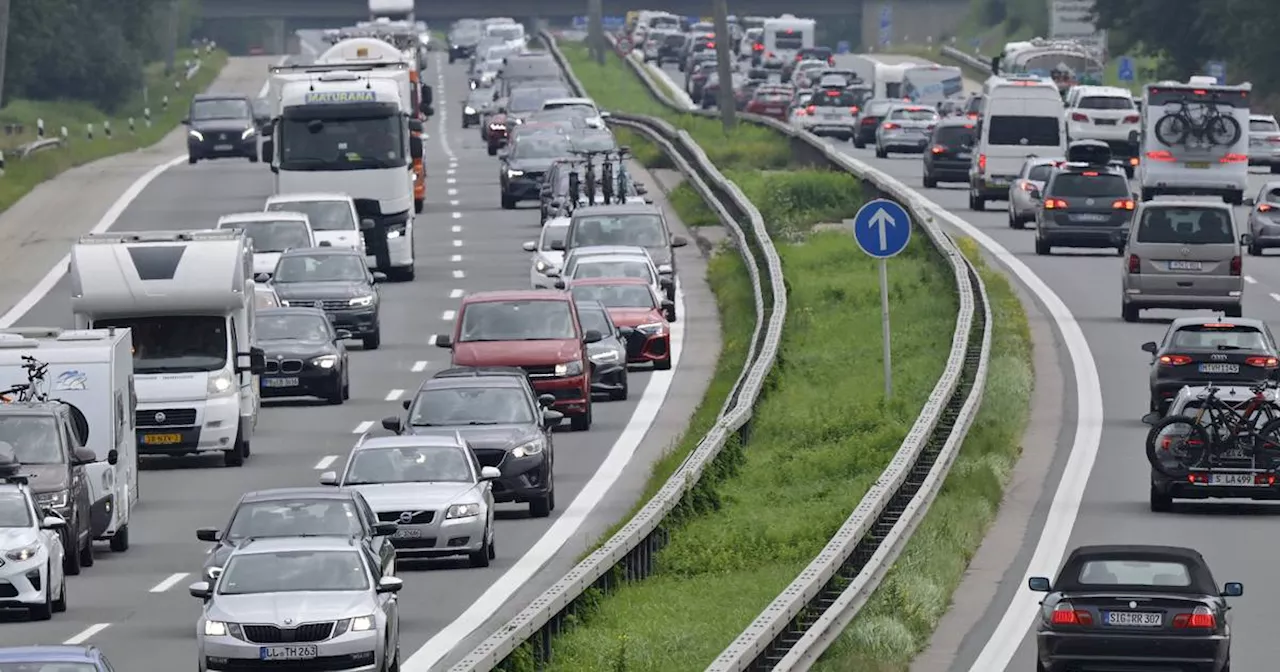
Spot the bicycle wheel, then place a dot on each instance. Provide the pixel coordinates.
(1173, 129)
(1222, 130)
(1266, 445)
(1176, 445)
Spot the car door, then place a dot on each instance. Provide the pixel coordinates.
(388, 602)
(79, 482)
(380, 545)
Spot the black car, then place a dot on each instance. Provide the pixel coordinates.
(608, 355)
(1085, 203)
(507, 425)
(697, 76)
(475, 105)
(337, 281)
(671, 48)
(1133, 607)
(950, 151)
(640, 225)
(300, 512)
(1198, 351)
(873, 111)
(305, 355)
(525, 162)
(221, 125)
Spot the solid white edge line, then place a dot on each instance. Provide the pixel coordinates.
(169, 582)
(418, 366)
(326, 461)
(84, 635)
(566, 525)
(363, 427)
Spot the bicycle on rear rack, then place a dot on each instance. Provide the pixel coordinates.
(1215, 433)
(30, 390)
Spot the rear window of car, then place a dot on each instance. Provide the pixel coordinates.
(1186, 226)
(973, 105)
(954, 135)
(834, 98)
(1040, 173)
(822, 53)
(772, 97)
(1024, 131)
(1135, 573)
(1067, 185)
(1105, 103)
(1262, 125)
(914, 114)
(1219, 336)
(878, 109)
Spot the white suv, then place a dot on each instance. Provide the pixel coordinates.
(1107, 114)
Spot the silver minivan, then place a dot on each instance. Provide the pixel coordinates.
(1183, 255)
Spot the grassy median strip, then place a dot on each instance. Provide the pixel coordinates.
(22, 175)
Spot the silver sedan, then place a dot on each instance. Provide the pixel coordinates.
(1024, 192)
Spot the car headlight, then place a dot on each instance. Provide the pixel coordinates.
(326, 361)
(53, 500)
(463, 511)
(651, 328)
(362, 623)
(511, 172)
(196, 135)
(361, 301)
(541, 266)
(248, 133)
(607, 357)
(569, 368)
(221, 383)
(526, 449)
(24, 553)
(284, 304)
(468, 110)
(215, 629)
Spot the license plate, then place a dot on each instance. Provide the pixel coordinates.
(1185, 266)
(834, 116)
(161, 439)
(402, 533)
(1106, 122)
(222, 148)
(998, 182)
(298, 652)
(964, 155)
(1141, 619)
(279, 382)
(1090, 217)
(1198, 164)
(1219, 368)
(1231, 479)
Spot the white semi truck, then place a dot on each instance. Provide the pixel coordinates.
(188, 297)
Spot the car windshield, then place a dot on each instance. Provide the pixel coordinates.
(1024, 131)
(531, 100)
(914, 114)
(594, 319)
(409, 464)
(1223, 337)
(480, 97)
(293, 572)
(469, 405)
(311, 328)
(355, 143)
(616, 296)
(175, 344)
(878, 109)
(608, 268)
(595, 142)
(323, 215)
(530, 320)
(275, 236)
(508, 32)
(552, 233)
(954, 136)
(321, 268)
(14, 510)
(34, 438)
(582, 109)
(1135, 573)
(220, 108)
(1262, 125)
(265, 297)
(1186, 226)
(295, 518)
(773, 96)
(639, 230)
(541, 146)
(1080, 185)
(1105, 103)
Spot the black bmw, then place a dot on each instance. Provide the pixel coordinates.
(305, 355)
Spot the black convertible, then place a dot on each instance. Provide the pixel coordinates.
(1134, 608)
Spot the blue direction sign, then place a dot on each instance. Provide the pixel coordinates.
(580, 22)
(1217, 70)
(882, 228)
(842, 47)
(613, 22)
(1124, 69)
(886, 25)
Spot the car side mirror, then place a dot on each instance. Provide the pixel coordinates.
(257, 361)
(53, 523)
(679, 241)
(113, 457)
(209, 534)
(415, 147)
(546, 400)
(1151, 418)
(529, 246)
(1039, 584)
(267, 151)
(1035, 194)
(489, 473)
(262, 277)
(367, 224)
(392, 424)
(592, 336)
(1232, 589)
(81, 456)
(1246, 240)
(559, 284)
(342, 335)
(329, 478)
(1249, 202)
(551, 418)
(385, 529)
(1149, 346)
(557, 245)
(444, 341)
(201, 590)
(379, 277)
(390, 584)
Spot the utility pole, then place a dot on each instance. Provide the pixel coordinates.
(172, 37)
(724, 62)
(595, 30)
(4, 43)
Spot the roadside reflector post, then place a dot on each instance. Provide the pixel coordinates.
(89, 131)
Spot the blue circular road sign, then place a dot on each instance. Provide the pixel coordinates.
(882, 228)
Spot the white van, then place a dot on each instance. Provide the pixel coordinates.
(332, 216)
(785, 36)
(1023, 117)
(1182, 153)
(271, 233)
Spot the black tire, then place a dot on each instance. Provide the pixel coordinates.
(858, 143)
(418, 205)
(372, 341)
(493, 150)
(979, 203)
(1173, 129)
(60, 604)
(42, 612)
(346, 389)
(1221, 130)
(253, 158)
(881, 153)
(508, 203)
(1234, 311)
(120, 540)
(1254, 250)
(1148, 194)
(1014, 221)
(1043, 248)
(235, 456)
(1129, 313)
(481, 558)
(929, 182)
(86, 554)
(336, 395)
(1195, 449)
(1275, 168)
(581, 423)
(1160, 502)
(540, 507)
(192, 159)
(621, 393)
(663, 364)
(70, 557)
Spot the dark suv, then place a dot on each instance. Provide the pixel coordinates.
(1086, 202)
(950, 151)
(338, 281)
(505, 422)
(221, 125)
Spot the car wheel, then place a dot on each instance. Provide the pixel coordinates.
(191, 158)
(372, 341)
(1129, 313)
(929, 182)
(1234, 311)
(1014, 222)
(60, 604)
(979, 203)
(493, 150)
(346, 389)
(335, 395)
(1275, 168)
(70, 558)
(1254, 250)
(540, 507)
(1161, 502)
(621, 393)
(418, 205)
(1043, 248)
(508, 203)
(86, 553)
(881, 153)
(481, 557)
(120, 540)
(858, 143)
(42, 612)
(235, 456)
(663, 364)
(581, 423)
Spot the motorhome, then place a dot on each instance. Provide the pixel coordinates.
(271, 234)
(786, 35)
(1067, 62)
(931, 84)
(91, 370)
(1023, 118)
(888, 82)
(350, 132)
(188, 298)
(1195, 140)
(397, 10)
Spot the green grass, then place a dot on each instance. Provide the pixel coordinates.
(897, 622)
(21, 176)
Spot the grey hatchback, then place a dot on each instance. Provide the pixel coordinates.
(1183, 255)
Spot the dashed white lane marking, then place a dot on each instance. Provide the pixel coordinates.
(456, 229)
(448, 315)
(451, 180)
(457, 243)
(450, 171)
(169, 582)
(1249, 279)
(363, 427)
(431, 340)
(394, 395)
(419, 366)
(454, 202)
(326, 461)
(456, 258)
(457, 215)
(459, 274)
(455, 294)
(1275, 296)
(84, 635)
(453, 192)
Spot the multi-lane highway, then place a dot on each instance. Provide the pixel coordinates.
(135, 604)
(1107, 503)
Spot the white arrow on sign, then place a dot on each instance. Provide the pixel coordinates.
(883, 220)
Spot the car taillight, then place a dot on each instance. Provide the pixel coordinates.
(1174, 360)
(982, 162)
(1055, 204)
(1274, 139)
(1123, 204)
(1234, 158)
(812, 109)
(1265, 207)
(870, 121)
(1076, 116)
(1236, 264)
(1131, 119)
(1026, 186)
(853, 110)
(889, 126)
(799, 58)
(831, 60)
(938, 149)
(1160, 155)
(757, 47)
(1201, 617)
(1066, 614)
(1263, 362)
(1135, 264)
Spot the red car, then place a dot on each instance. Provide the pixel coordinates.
(641, 315)
(536, 330)
(771, 102)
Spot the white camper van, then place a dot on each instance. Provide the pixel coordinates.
(93, 371)
(1195, 140)
(271, 234)
(1023, 118)
(786, 35)
(188, 296)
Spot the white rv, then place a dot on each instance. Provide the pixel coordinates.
(889, 79)
(350, 132)
(786, 35)
(271, 234)
(396, 10)
(93, 371)
(188, 297)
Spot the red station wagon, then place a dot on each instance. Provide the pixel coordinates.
(536, 330)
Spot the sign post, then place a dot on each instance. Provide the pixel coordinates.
(882, 228)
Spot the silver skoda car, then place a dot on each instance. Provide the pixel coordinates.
(297, 602)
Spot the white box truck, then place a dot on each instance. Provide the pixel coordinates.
(188, 297)
(92, 370)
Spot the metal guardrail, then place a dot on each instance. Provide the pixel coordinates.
(976, 61)
(38, 146)
(793, 631)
